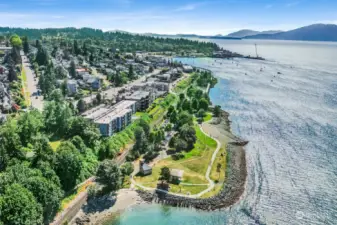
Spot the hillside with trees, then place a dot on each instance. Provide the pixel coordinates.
(125, 42)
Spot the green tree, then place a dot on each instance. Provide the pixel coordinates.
(42, 151)
(184, 118)
(72, 69)
(201, 113)
(29, 125)
(186, 105)
(42, 57)
(126, 168)
(78, 142)
(203, 104)
(141, 141)
(145, 125)
(165, 174)
(109, 175)
(173, 117)
(131, 74)
(68, 165)
(10, 143)
(217, 111)
(195, 104)
(188, 134)
(85, 129)
(182, 97)
(47, 193)
(99, 98)
(25, 45)
(16, 41)
(76, 49)
(180, 144)
(18, 206)
(81, 105)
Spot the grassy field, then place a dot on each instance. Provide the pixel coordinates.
(183, 85)
(194, 164)
(218, 177)
(208, 117)
(24, 86)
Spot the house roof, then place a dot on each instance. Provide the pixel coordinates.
(146, 167)
(92, 80)
(177, 173)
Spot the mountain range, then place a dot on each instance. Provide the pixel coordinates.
(315, 32)
(245, 33)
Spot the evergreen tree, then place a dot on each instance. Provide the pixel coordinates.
(131, 74)
(25, 45)
(72, 69)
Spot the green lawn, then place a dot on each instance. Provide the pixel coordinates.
(183, 85)
(208, 117)
(194, 164)
(24, 87)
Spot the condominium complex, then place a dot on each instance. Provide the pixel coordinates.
(143, 99)
(111, 119)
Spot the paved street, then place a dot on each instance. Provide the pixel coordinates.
(31, 85)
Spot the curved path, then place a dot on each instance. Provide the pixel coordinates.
(208, 172)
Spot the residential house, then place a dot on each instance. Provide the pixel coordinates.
(94, 83)
(176, 175)
(144, 168)
(187, 69)
(72, 87)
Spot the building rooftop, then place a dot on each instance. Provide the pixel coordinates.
(177, 173)
(104, 114)
(139, 95)
(146, 167)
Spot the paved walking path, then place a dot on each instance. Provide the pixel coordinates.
(208, 172)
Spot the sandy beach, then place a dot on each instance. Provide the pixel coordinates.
(98, 210)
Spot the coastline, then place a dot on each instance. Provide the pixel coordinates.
(234, 184)
(100, 210)
(231, 192)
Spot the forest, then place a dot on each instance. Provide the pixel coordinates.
(125, 42)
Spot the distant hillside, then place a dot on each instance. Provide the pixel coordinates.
(316, 32)
(245, 33)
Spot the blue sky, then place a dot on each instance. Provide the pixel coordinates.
(170, 16)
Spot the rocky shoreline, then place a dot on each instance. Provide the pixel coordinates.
(101, 209)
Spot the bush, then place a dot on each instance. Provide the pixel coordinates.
(178, 156)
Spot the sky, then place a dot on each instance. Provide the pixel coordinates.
(204, 17)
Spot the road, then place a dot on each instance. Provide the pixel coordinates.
(31, 84)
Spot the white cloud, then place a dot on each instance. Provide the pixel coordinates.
(188, 7)
(291, 4)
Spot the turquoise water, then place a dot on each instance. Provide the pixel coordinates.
(288, 112)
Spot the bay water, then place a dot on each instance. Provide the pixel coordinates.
(286, 107)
